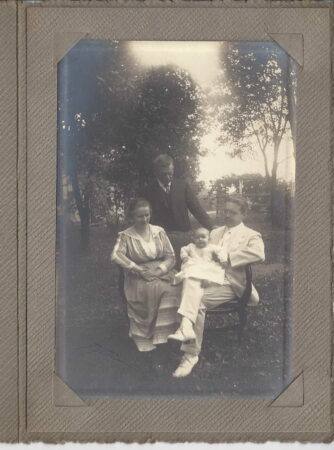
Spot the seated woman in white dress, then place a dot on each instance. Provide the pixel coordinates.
(147, 257)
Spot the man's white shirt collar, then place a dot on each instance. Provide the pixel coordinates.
(235, 228)
(228, 232)
(165, 188)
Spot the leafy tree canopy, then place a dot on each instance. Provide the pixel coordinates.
(254, 98)
(115, 116)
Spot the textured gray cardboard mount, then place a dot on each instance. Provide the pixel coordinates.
(35, 405)
(8, 225)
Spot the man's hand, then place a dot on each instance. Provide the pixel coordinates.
(221, 258)
(223, 264)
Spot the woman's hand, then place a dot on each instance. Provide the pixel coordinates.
(151, 274)
(157, 272)
(138, 270)
(147, 274)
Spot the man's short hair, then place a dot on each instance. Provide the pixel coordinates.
(162, 160)
(239, 200)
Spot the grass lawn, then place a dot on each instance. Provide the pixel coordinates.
(96, 358)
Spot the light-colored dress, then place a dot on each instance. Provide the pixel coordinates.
(202, 263)
(152, 305)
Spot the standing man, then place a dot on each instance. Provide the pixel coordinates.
(171, 200)
(243, 246)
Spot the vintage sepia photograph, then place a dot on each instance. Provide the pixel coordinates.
(175, 218)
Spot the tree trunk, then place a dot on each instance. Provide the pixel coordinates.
(291, 105)
(83, 210)
(266, 168)
(117, 208)
(275, 206)
(85, 222)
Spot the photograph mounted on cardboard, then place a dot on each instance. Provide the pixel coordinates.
(175, 218)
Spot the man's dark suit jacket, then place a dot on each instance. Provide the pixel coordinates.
(170, 211)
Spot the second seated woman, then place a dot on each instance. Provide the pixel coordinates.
(147, 257)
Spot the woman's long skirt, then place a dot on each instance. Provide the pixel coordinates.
(152, 309)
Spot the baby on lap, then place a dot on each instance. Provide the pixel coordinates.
(205, 263)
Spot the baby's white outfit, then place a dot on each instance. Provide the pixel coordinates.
(202, 263)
